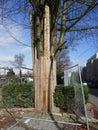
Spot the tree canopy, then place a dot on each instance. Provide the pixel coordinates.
(66, 16)
(10, 73)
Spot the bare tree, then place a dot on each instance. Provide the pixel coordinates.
(51, 21)
(18, 62)
(63, 61)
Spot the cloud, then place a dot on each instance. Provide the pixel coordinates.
(7, 35)
(24, 50)
(6, 58)
(78, 61)
(9, 47)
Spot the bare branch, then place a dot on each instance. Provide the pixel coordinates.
(84, 29)
(77, 19)
(59, 48)
(82, 2)
(21, 43)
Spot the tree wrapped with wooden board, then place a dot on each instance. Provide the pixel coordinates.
(50, 21)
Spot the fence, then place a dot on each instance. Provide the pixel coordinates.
(72, 76)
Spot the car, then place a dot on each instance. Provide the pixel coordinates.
(93, 84)
(84, 83)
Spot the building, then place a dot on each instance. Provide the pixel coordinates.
(92, 68)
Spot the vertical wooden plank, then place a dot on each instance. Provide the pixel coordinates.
(46, 56)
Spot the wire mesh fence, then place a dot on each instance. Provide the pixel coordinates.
(72, 76)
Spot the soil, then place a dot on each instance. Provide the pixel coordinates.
(11, 116)
(7, 119)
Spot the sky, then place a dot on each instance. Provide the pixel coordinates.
(13, 36)
(9, 47)
(84, 50)
(86, 43)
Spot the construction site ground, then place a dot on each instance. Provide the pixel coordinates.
(9, 117)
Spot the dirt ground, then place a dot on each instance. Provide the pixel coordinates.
(7, 119)
(11, 116)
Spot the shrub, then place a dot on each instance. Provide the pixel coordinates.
(86, 93)
(21, 95)
(64, 96)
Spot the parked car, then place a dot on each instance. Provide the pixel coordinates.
(93, 84)
(84, 83)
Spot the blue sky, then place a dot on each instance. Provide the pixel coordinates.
(85, 49)
(87, 44)
(9, 47)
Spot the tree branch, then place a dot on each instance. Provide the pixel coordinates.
(83, 29)
(59, 48)
(21, 43)
(93, 4)
(77, 19)
(82, 2)
(62, 33)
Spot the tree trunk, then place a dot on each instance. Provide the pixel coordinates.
(44, 68)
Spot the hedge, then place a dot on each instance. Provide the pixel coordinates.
(64, 96)
(18, 95)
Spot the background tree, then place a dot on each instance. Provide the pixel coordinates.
(10, 73)
(18, 62)
(51, 21)
(63, 61)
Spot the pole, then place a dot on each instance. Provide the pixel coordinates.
(83, 98)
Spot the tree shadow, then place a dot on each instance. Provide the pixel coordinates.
(55, 122)
(49, 102)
